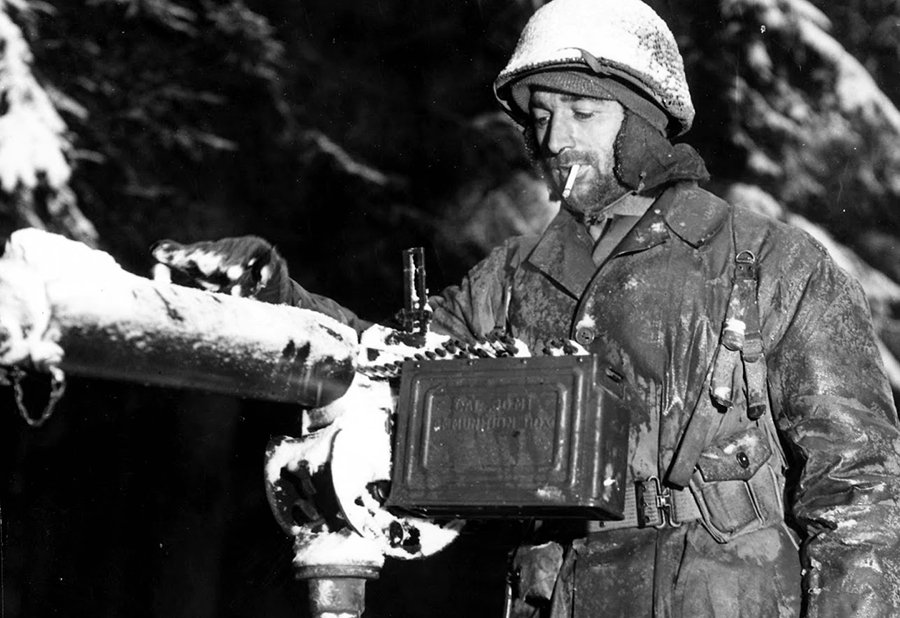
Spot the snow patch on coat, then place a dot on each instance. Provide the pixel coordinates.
(765, 548)
(587, 321)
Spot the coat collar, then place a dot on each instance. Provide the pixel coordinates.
(693, 214)
(564, 253)
(685, 210)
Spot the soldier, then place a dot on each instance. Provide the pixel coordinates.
(751, 355)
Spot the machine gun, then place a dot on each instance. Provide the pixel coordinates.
(489, 431)
(479, 429)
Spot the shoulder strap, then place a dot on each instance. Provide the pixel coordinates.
(753, 358)
(740, 341)
(750, 345)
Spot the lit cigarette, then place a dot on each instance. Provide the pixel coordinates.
(570, 181)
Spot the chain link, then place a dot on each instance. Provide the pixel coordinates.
(57, 389)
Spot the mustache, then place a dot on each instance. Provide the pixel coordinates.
(572, 157)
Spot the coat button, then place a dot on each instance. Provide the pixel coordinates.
(585, 335)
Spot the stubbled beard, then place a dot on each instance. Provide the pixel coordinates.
(593, 195)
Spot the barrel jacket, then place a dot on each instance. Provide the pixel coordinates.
(654, 311)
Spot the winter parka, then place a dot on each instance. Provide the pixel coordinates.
(821, 468)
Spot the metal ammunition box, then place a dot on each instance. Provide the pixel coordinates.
(511, 437)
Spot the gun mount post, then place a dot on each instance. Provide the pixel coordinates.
(337, 590)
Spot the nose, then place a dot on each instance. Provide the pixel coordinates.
(559, 136)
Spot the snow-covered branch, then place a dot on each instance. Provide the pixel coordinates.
(855, 89)
(347, 164)
(34, 168)
(32, 134)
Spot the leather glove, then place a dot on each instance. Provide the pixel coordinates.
(240, 266)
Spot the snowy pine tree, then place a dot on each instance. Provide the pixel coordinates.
(34, 147)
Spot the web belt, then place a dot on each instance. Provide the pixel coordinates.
(650, 504)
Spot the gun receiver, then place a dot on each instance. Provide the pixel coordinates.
(415, 316)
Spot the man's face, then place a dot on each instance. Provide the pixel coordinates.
(570, 129)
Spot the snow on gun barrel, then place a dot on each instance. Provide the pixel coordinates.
(65, 304)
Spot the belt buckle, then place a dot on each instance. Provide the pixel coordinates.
(656, 505)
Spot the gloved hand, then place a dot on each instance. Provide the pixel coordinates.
(240, 266)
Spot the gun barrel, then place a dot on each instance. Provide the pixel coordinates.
(113, 324)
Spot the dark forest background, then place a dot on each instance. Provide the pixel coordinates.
(344, 132)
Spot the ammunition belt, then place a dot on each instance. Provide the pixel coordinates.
(651, 504)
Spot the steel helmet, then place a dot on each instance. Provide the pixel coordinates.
(622, 39)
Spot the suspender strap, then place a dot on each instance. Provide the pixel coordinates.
(731, 342)
(741, 340)
(746, 283)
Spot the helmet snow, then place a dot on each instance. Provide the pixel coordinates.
(625, 39)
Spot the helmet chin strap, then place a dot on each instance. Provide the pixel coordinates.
(629, 97)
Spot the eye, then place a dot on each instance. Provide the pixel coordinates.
(583, 114)
(540, 121)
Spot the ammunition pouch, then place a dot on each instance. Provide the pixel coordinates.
(738, 485)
